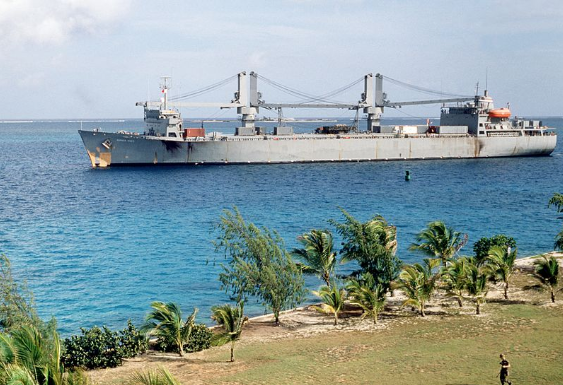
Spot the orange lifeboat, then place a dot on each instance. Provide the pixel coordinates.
(499, 113)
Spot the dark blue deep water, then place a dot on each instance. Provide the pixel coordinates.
(97, 246)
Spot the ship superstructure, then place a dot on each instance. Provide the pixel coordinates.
(472, 128)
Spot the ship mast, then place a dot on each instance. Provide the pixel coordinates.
(165, 86)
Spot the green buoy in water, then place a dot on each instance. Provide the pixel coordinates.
(407, 175)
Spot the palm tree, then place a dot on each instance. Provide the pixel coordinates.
(547, 272)
(28, 357)
(232, 319)
(373, 245)
(557, 201)
(316, 254)
(439, 241)
(333, 300)
(368, 295)
(476, 286)
(419, 282)
(454, 277)
(500, 263)
(165, 322)
(160, 376)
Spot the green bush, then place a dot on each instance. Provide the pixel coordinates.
(95, 348)
(200, 339)
(482, 246)
(132, 341)
(102, 348)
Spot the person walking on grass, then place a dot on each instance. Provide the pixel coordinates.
(504, 366)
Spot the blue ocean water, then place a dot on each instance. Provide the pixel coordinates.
(97, 246)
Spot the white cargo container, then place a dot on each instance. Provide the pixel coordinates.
(452, 130)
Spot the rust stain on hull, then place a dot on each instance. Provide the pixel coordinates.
(105, 159)
(92, 157)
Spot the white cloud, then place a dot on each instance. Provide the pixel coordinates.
(55, 21)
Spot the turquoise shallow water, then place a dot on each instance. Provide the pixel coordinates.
(97, 246)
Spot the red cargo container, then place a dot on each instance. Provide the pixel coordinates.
(193, 132)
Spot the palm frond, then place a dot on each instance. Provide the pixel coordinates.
(333, 299)
(439, 241)
(160, 376)
(19, 375)
(317, 254)
(165, 321)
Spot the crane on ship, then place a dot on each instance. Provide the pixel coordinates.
(248, 100)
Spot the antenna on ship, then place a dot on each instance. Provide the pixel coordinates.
(477, 89)
(486, 79)
(165, 86)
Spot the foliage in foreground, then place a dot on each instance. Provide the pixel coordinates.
(165, 322)
(160, 376)
(103, 348)
(16, 301)
(259, 265)
(29, 357)
(372, 245)
(30, 349)
(231, 319)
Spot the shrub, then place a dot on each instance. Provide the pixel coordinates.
(102, 348)
(132, 341)
(200, 339)
(482, 246)
(95, 348)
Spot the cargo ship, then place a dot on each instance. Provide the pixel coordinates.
(470, 127)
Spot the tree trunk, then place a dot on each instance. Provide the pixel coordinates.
(506, 290)
(233, 351)
(478, 308)
(180, 346)
(335, 318)
(326, 278)
(552, 296)
(459, 302)
(422, 314)
(277, 317)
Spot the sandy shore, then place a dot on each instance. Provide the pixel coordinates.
(306, 321)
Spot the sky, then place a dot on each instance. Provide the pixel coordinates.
(90, 59)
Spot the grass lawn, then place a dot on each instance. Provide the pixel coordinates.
(436, 350)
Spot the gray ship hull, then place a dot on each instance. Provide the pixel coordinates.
(105, 149)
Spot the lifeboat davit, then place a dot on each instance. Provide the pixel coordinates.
(499, 113)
